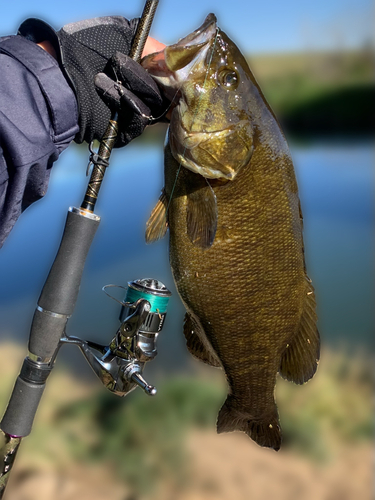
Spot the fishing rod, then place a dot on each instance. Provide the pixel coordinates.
(119, 365)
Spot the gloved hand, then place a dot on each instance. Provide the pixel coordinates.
(86, 47)
(129, 89)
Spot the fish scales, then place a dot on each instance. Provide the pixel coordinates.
(250, 305)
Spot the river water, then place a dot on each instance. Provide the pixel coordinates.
(336, 182)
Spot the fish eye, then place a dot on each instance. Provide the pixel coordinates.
(229, 78)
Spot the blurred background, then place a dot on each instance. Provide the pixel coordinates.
(315, 64)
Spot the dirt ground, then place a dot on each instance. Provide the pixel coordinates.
(228, 467)
(225, 467)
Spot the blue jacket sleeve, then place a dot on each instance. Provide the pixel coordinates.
(38, 120)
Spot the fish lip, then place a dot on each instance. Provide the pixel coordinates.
(208, 27)
(190, 140)
(185, 158)
(206, 136)
(196, 44)
(156, 63)
(207, 172)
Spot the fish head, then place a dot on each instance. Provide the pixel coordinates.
(208, 81)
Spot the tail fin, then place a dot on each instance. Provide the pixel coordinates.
(265, 432)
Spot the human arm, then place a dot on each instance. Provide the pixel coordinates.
(29, 144)
(38, 120)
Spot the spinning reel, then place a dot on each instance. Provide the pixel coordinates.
(120, 364)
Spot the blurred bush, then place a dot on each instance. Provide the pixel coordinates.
(141, 442)
(320, 93)
(333, 409)
(143, 438)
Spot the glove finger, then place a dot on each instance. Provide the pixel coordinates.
(128, 99)
(108, 90)
(116, 96)
(130, 130)
(136, 79)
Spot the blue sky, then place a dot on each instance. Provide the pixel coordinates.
(268, 26)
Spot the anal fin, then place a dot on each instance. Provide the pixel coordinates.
(157, 224)
(195, 344)
(301, 356)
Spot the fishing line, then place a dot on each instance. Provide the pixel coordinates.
(192, 123)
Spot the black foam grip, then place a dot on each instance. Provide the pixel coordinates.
(46, 331)
(19, 415)
(61, 288)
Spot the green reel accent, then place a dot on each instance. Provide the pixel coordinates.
(151, 290)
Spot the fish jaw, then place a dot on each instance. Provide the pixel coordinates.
(173, 65)
(215, 155)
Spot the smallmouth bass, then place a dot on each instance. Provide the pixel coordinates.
(236, 249)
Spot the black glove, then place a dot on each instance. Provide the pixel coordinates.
(127, 88)
(83, 50)
(86, 47)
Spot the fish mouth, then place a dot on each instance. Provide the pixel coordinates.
(193, 139)
(191, 49)
(201, 35)
(172, 65)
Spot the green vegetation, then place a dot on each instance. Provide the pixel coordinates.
(332, 409)
(313, 93)
(319, 92)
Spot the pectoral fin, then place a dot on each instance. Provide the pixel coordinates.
(301, 356)
(201, 213)
(157, 224)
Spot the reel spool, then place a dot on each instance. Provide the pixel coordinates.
(156, 293)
